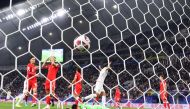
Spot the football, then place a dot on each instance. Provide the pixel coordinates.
(82, 42)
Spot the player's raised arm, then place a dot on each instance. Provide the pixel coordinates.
(56, 64)
(109, 65)
(43, 65)
(100, 68)
(53, 61)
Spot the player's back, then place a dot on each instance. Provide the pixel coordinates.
(102, 75)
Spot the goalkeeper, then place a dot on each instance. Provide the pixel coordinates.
(85, 106)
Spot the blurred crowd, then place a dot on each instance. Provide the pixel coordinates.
(134, 82)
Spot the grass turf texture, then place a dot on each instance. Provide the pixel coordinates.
(5, 105)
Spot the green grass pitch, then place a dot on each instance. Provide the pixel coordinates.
(5, 105)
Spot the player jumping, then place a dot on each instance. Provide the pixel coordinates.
(78, 85)
(51, 76)
(163, 92)
(99, 90)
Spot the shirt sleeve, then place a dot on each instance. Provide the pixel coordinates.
(45, 67)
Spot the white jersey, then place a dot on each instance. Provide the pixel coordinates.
(102, 75)
(100, 81)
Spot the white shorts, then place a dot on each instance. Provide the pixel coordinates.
(99, 87)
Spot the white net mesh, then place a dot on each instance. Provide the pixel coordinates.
(142, 38)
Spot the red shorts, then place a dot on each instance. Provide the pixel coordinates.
(117, 99)
(32, 84)
(164, 96)
(47, 85)
(78, 90)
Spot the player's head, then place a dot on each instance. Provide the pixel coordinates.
(74, 106)
(78, 69)
(117, 86)
(161, 77)
(32, 60)
(52, 59)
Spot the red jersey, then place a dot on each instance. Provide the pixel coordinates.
(52, 71)
(79, 78)
(162, 85)
(117, 93)
(31, 71)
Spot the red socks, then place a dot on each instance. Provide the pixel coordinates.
(167, 105)
(48, 99)
(34, 98)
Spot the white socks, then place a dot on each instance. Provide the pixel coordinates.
(94, 95)
(104, 100)
(90, 96)
(20, 98)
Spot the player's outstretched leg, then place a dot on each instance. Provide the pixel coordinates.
(89, 97)
(19, 98)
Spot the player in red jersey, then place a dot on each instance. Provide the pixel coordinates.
(32, 81)
(78, 85)
(51, 76)
(163, 92)
(117, 97)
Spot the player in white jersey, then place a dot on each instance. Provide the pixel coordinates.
(99, 89)
(21, 96)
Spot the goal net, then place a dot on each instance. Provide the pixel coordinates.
(142, 38)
